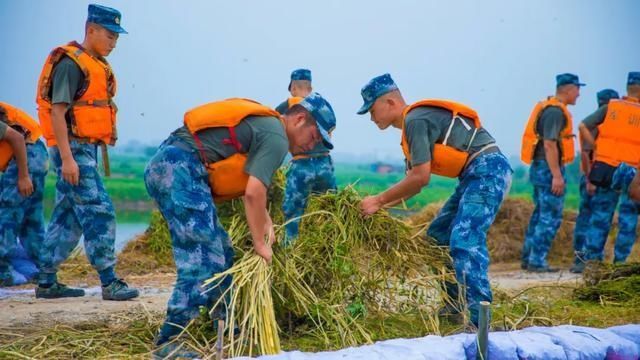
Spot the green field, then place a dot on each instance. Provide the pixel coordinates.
(133, 204)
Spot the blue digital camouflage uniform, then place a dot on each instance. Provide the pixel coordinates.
(601, 207)
(627, 213)
(546, 217)
(605, 201)
(177, 180)
(582, 221)
(603, 204)
(464, 220)
(82, 209)
(21, 218)
(306, 176)
(627, 224)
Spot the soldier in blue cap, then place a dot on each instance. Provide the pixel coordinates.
(615, 160)
(445, 138)
(587, 190)
(310, 171)
(548, 145)
(78, 115)
(209, 160)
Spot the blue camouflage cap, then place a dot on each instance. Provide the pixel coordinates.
(375, 88)
(633, 78)
(568, 79)
(299, 74)
(323, 113)
(605, 95)
(106, 17)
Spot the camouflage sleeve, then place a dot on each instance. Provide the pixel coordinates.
(417, 133)
(283, 107)
(552, 121)
(592, 121)
(67, 78)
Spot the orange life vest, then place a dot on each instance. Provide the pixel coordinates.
(93, 113)
(22, 122)
(227, 177)
(619, 134)
(445, 160)
(530, 138)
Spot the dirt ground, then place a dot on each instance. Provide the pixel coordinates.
(20, 309)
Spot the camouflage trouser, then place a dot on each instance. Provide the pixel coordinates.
(582, 221)
(22, 217)
(604, 205)
(82, 209)
(313, 175)
(463, 222)
(178, 182)
(627, 213)
(546, 217)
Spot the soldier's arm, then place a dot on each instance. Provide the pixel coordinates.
(634, 187)
(255, 204)
(16, 140)
(587, 138)
(553, 160)
(70, 170)
(417, 178)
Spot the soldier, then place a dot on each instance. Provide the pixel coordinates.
(587, 190)
(78, 115)
(616, 158)
(227, 149)
(445, 138)
(548, 145)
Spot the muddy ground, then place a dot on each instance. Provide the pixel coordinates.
(20, 309)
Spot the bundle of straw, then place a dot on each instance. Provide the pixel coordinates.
(249, 307)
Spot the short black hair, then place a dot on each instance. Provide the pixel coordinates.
(299, 109)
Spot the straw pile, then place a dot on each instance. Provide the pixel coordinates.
(343, 272)
(611, 283)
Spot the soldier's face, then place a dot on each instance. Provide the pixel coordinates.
(381, 113)
(304, 135)
(573, 93)
(102, 40)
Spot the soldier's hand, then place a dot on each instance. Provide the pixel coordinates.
(70, 171)
(370, 205)
(591, 189)
(25, 186)
(264, 250)
(557, 186)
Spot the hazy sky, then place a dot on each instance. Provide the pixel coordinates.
(499, 57)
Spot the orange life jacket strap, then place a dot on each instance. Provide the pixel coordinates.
(203, 156)
(97, 103)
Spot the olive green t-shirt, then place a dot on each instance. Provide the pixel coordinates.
(262, 138)
(427, 125)
(549, 126)
(319, 148)
(592, 122)
(66, 79)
